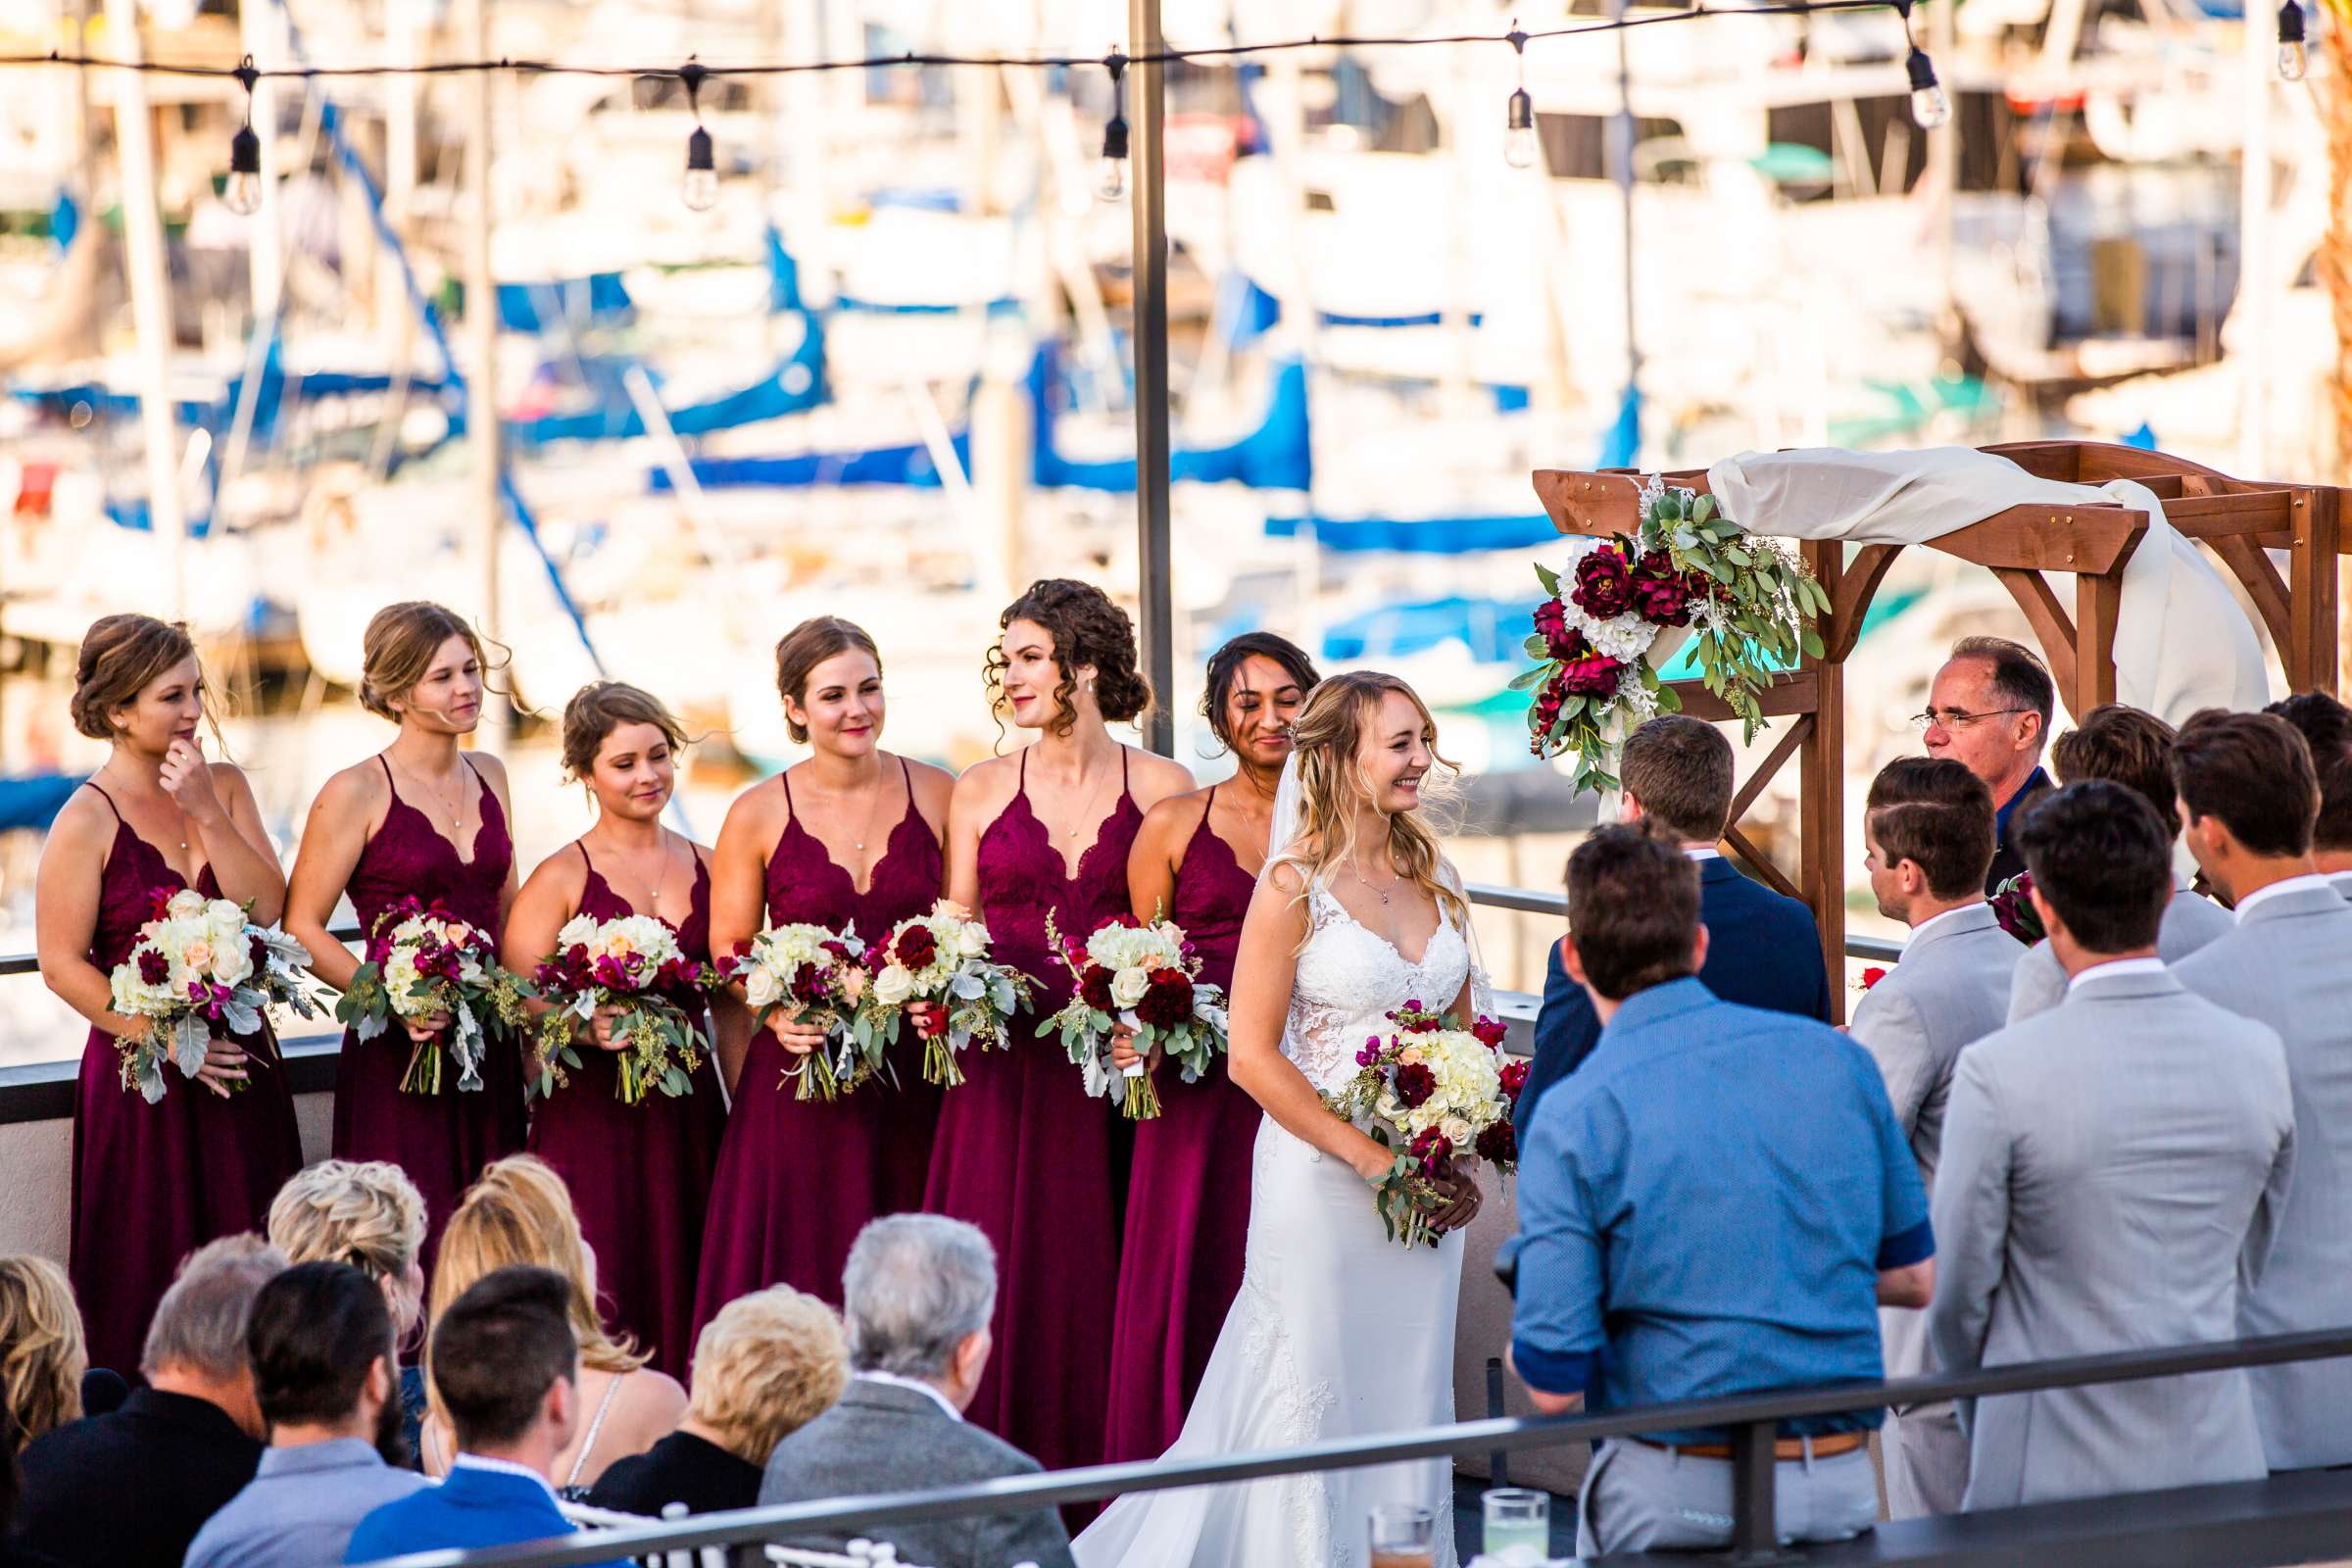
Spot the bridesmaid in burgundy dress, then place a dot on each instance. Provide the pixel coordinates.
(424, 819)
(153, 1183)
(640, 1175)
(1023, 1153)
(1195, 861)
(851, 835)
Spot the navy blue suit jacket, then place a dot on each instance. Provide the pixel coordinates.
(1763, 951)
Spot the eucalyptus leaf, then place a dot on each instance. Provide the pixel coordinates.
(1536, 646)
(1550, 578)
(1813, 643)
(1527, 679)
(1702, 509)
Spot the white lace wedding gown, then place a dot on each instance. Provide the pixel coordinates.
(1338, 1332)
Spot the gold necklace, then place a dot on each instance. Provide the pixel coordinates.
(457, 810)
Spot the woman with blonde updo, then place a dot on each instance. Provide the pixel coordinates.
(849, 836)
(153, 1182)
(521, 1212)
(426, 819)
(1023, 1153)
(370, 1216)
(640, 1175)
(1357, 915)
(42, 1353)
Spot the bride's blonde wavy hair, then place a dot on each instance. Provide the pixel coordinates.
(1327, 738)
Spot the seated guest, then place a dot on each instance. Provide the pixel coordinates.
(1929, 831)
(2109, 1166)
(368, 1215)
(2327, 728)
(1766, 952)
(919, 1291)
(767, 1366)
(1715, 1204)
(42, 1361)
(2127, 747)
(326, 1380)
(504, 1364)
(521, 1212)
(2250, 795)
(130, 1488)
(1988, 709)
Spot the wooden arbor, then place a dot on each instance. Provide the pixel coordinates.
(2239, 521)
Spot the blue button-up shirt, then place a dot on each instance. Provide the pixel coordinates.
(300, 1509)
(1704, 1209)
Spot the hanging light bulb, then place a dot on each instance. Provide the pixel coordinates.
(1520, 146)
(1929, 108)
(2292, 58)
(1111, 170)
(242, 194)
(701, 190)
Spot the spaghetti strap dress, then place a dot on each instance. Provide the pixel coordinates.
(1025, 1154)
(640, 1175)
(442, 1141)
(153, 1183)
(797, 1179)
(1188, 1202)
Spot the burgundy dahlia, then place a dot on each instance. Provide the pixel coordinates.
(1662, 601)
(154, 967)
(1415, 1083)
(1584, 672)
(1095, 986)
(917, 946)
(1499, 1142)
(1604, 583)
(1168, 1002)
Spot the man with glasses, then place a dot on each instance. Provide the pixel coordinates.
(1989, 711)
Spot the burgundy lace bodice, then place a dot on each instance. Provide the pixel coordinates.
(1212, 895)
(408, 857)
(1022, 877)
(135, 874)
(599, 902)
(805, 883)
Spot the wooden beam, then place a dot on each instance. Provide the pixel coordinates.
(1796, 692)
(2267, 589)
(2245, 512)
(1758, 862)
(1855, 590)
(2042, 538)
(2098, 601)
(2312, 591)
(2052, 627)
(1821, 792)
(1791, 739)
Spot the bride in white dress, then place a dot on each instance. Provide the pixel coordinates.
(1338, 1332)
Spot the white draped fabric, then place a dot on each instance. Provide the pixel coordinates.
(2181, 643)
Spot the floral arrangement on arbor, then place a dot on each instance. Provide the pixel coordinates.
(1625, 608)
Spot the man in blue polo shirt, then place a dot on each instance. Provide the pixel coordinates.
(1717, 1202)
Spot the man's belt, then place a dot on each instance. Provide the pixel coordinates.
(1826, 1447)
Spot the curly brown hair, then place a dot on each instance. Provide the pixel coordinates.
(119, 655)
(1087, 629)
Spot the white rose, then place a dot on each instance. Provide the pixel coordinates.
(893, 985)
(760, 988)
(186, 904)
(1128, 986)
(577, 932)
(972, 940)
(1456, 1131)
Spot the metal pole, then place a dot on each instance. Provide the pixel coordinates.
(1755, 1533)
(150, 301)
(1621, 169)
(1146, 116)
(2256, 283)
(1944, 168)
(481, 336)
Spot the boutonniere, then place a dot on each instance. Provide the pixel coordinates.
(1870, 977)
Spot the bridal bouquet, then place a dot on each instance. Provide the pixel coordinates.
(424, 961)
(1147, 978)
(633, 964)
(199, 965)
(1441, 1091)
(942, 958)
(822, 978)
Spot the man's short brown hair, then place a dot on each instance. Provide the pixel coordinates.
(2253, 771)
(2125, 746)
(2327, 728)
(1935, 812)
(1680, 769)
(2019, 677)
(498, 1348)
(1632, 910)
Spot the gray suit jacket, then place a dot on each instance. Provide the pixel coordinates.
(2288, 965)
(884, 1439)
(2190, 921)
(2109, 1168)
(1950, 990)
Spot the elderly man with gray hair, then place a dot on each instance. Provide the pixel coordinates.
(918, 1293)
(131, 1487)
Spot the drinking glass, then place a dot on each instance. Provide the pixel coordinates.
(1403, 1535)
(1518, 1525)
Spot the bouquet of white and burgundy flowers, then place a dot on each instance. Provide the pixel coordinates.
(941, 959)
(821, 976)
(635, 965)
(199, 965)
(422, 961)
(1441, 1091)
(1147, 978)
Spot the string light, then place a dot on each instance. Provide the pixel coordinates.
(1929, 108)
(2292, 58)
(1520, 146)
(242, 194)
(1110, 171)
(701, 190)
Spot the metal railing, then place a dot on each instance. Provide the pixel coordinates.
(1751, 1419)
